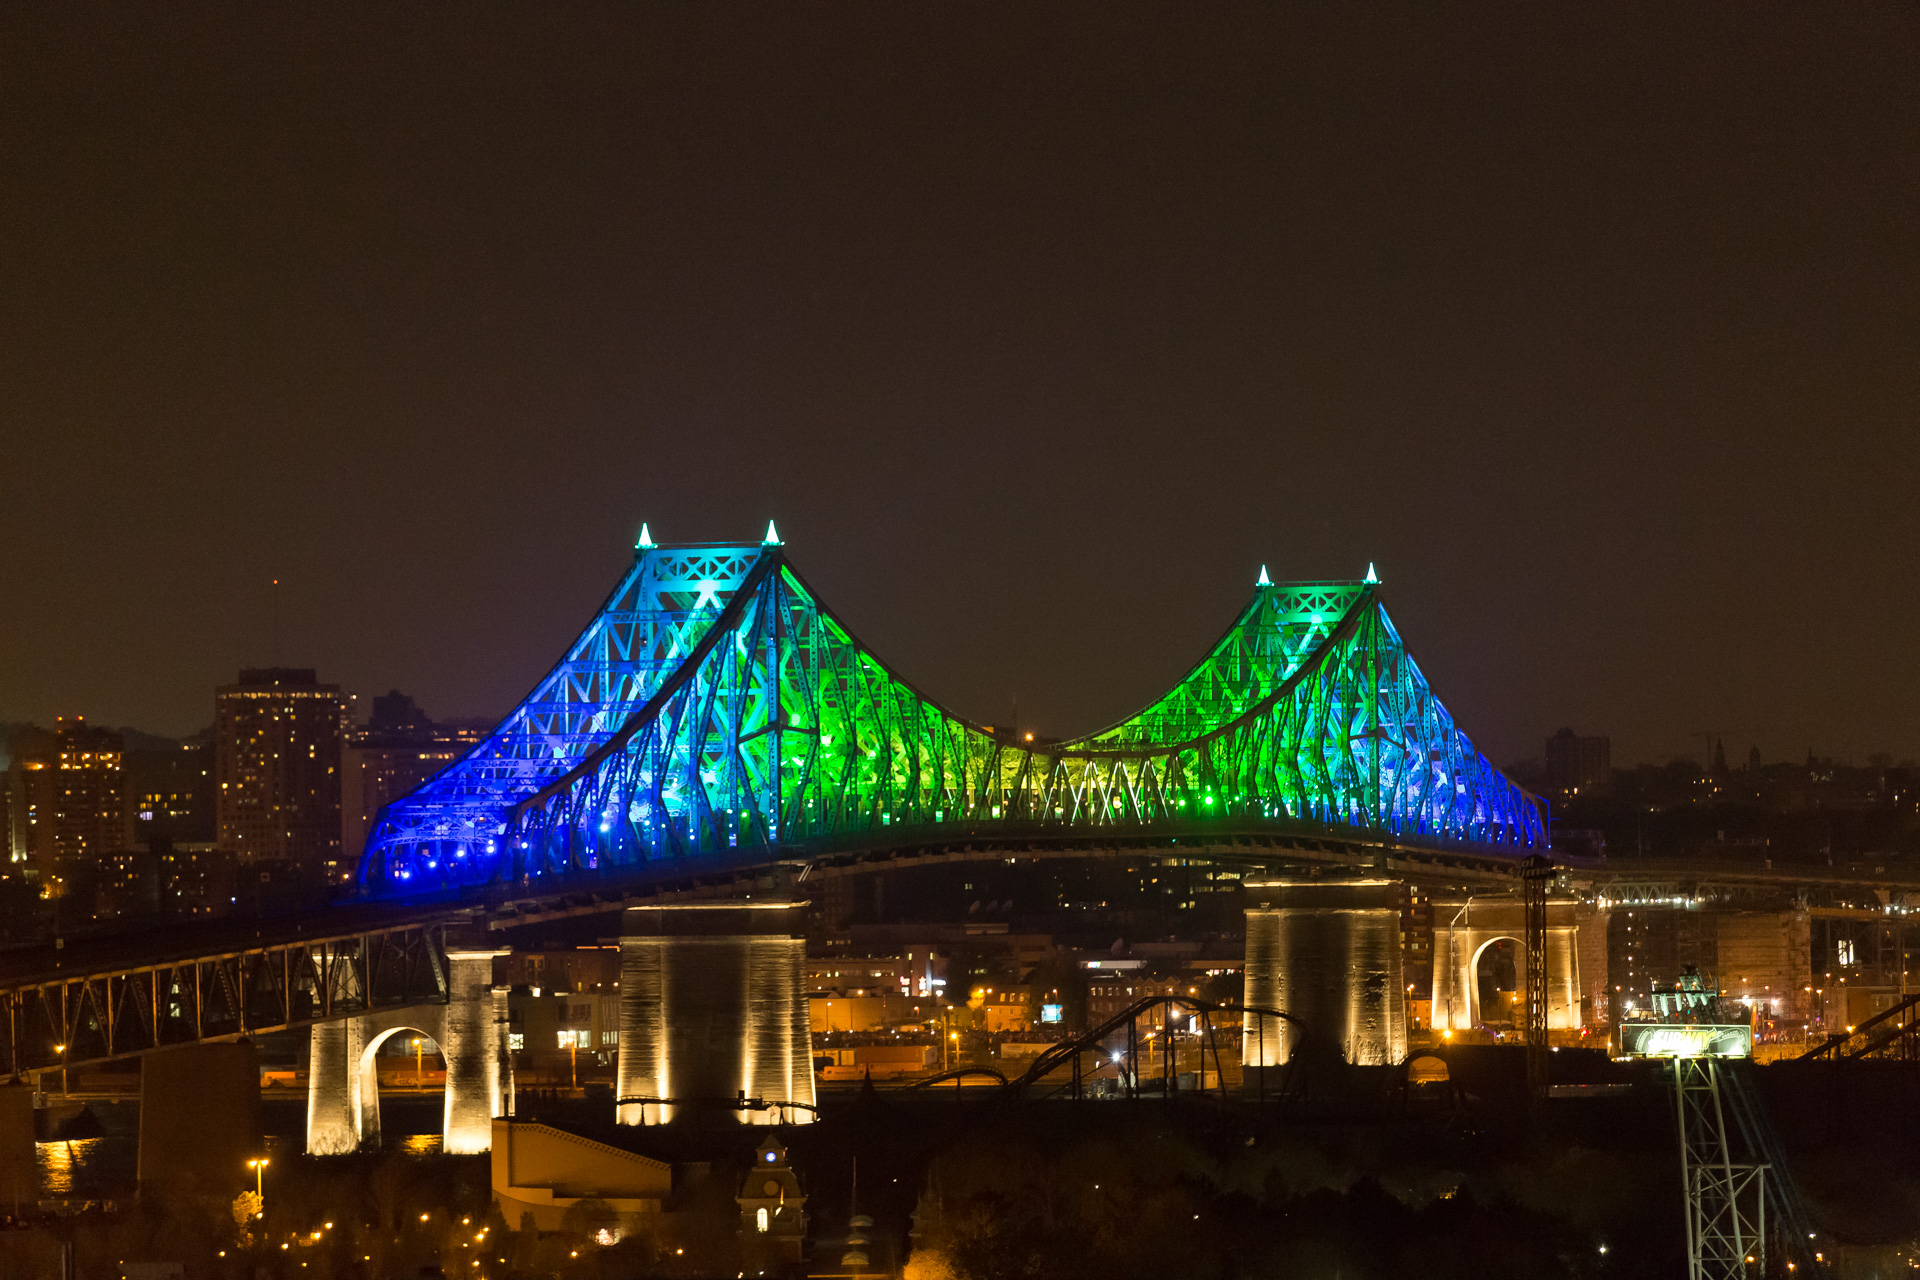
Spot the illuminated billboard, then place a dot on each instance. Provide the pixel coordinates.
(1684, 1040)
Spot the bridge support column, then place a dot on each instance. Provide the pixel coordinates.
(19, 1166)
(333, 1088)
(713, 1013)
(1328, 953)
(1463, 928)
(473, 1043)
(343, 1077)
(199, 1118)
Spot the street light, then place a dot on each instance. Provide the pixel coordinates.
(417, 1078)
(259, 1166)
(61, 1049)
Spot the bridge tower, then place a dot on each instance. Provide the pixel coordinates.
(713, 1013)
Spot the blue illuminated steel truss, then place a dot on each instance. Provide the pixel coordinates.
(714, 709)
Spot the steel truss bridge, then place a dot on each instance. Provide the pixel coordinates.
(114, 998)
(715, 712)
(715, 729)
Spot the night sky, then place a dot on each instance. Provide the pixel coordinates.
(1596, 328)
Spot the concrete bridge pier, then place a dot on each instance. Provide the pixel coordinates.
(474, 1044)
(713, 1013)
(1463, 929)
(343, 1081)
(1327, 952)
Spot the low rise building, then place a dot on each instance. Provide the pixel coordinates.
(540, 1172)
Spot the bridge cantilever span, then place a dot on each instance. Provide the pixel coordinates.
(715, 711)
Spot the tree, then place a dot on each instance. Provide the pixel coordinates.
(588, 1218)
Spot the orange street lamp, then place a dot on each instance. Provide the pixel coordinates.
(417, 1078)
(259, 1166)
(61, 1049)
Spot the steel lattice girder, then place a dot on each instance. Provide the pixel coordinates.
(716, 706)
(115, 1012)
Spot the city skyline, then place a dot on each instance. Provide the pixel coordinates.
(1658, 747)
(952, 642)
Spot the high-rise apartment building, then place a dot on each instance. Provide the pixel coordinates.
(276, 739)
(66, 798)
(170, 794)
(397, 750)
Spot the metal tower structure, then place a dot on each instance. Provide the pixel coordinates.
(714, 709)
(1726, 1200)
(1534, 875)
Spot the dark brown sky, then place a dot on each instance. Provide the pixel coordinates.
(1598, 329)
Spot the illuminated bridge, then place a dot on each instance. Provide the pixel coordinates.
(714, 727)
(716, 713)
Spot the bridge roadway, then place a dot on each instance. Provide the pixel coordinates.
(112, 996)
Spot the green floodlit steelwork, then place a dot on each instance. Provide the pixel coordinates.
(714, 709)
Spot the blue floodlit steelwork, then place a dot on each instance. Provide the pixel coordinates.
(714, 709)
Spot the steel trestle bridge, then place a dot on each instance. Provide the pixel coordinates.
(714, 712)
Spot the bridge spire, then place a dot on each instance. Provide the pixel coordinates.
(1371, 575)
(1265, 581)
(773, 536)
(646, 539)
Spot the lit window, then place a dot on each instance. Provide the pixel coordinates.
(760, 1219)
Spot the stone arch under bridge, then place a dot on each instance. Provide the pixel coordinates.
(343, 1092)
(1464, 927)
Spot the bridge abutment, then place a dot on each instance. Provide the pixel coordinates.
(1328, 953)
(713, 1013)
